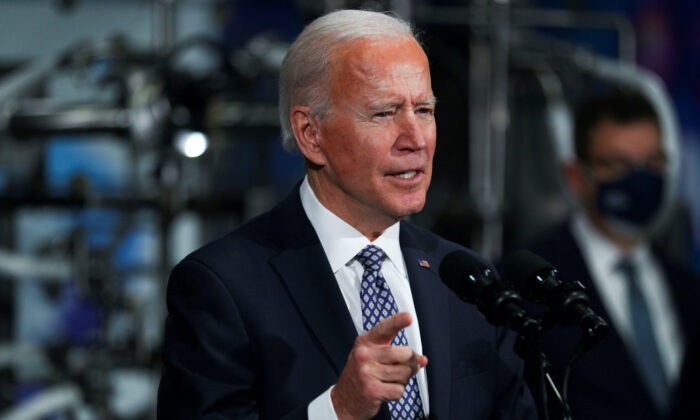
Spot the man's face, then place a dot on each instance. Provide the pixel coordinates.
(621, 184)
(378, 141)
(617, 148)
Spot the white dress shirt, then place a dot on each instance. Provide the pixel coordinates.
(341, 243)
(602, 257)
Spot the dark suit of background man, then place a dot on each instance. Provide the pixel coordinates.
(620, 176)
(268, 321)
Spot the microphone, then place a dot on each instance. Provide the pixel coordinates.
(540, 282)
(474, 282)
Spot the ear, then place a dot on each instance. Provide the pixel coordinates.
(577, 180)
(307, 134)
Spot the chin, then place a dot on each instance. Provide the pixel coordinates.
(404, 204)
(410, 208)
(628, 231)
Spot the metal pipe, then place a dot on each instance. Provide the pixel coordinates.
(23, 79)
(38, 117)
(498, 124)
(488, 97)
(164, 22)
(46, 269)
(553, 18)
(58, 398)
(479, 104)
(627, 43)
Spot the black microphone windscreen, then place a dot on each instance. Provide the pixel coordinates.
(523, 265)
(455, 268)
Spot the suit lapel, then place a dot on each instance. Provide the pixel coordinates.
(312, 286)
(304, 269)
(430, 300)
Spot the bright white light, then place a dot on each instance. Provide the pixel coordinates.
(191, 143)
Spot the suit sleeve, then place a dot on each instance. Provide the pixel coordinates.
(209, 367)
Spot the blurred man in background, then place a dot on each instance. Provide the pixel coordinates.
(620, 179)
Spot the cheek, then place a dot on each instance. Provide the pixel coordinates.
(351, 165)
(587, 193)
(430, 135)
(431, 150)
(362, 154)
(338, 150)
(431, 155)
(347, 166)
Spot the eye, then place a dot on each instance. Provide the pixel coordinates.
(383, 114)
(426, 110)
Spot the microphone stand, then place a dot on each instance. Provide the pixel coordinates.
(502, 305)
(592, 334)
(527, 346)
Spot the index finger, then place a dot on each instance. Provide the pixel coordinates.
(387, 328)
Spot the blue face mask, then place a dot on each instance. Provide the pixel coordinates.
(634, 198)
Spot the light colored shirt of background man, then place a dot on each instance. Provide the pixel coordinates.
(601, 256)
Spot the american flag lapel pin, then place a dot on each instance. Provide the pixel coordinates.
(423, 263)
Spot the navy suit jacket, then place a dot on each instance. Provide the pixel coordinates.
(258, 328)
(605, 383)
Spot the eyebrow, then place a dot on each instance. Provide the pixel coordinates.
(388, 105)
(430, 101)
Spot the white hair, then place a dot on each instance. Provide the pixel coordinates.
(304, 76)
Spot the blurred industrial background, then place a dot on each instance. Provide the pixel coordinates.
(133, 131)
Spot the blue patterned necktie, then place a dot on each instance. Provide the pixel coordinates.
(378, 303)
(645, 344)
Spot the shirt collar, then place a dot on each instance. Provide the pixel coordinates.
(603, 252)
(340, 241)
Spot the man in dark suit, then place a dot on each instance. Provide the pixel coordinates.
(620, 176)
(330, 306)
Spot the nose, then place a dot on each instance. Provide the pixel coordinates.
(412, 132)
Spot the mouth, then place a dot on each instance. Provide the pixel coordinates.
(407, 175)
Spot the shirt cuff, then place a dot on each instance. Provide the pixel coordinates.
(321, 408)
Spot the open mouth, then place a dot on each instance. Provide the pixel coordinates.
(407, 175)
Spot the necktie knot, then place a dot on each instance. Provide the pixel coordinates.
(371, 257)
(627, 268)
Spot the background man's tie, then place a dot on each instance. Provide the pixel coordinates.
(378, 303)
(644, 342)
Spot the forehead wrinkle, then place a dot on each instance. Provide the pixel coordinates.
(383, 96)
(364, 66)
(358, 70)
(405, 75)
